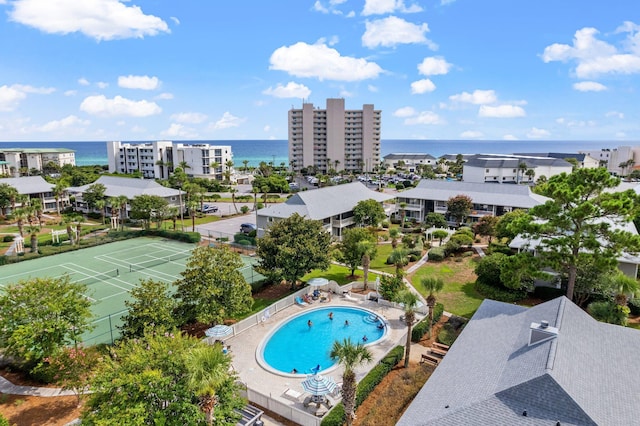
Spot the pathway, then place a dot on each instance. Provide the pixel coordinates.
(7, 387)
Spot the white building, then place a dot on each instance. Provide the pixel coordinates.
(334, 138)
(503, 168)
(612, 159)
(159, 159)
(21, 161)
(409, 161)
(37, 188)
(333, 205)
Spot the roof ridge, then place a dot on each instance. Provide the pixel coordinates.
(554, 343)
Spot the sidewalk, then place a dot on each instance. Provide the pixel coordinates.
(7, 387)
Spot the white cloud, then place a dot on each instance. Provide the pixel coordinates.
(176, 130)
(434, 66)
(319, 7)
(425, 117)
(446, 2)
(228, 120)
(536, 133)
(510, 137)
(83, 81)
(471, 134)
(596, 57)
(615, 114)
(478, 97)
(164, 96)
(291, 90)
(102, 106)
(621, 135)
(98, 19)
(10, 97)
(142, 82)
(404, 112)
(37, 90)
(372, 88)
(121, 123)
(321, 62)
(266, 128)
(65, 123)
(138, 129)
(175, 20)
(102, 84)
(422, 86)
(70, 92)
(589, 86)
(189, 117)
(381, 7)
(501, 111)
(391, 31)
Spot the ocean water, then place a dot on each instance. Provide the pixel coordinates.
(276, 151)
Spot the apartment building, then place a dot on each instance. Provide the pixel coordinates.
(504, 168)
(620, 161)
(16, 162)
(334, 138)
(157, 160)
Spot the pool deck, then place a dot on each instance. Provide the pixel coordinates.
(257, 378)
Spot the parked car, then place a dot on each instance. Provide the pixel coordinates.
(209, 208)
(246, 228)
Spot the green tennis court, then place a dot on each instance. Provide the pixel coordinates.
(110, 271)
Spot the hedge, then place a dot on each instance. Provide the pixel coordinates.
(491, 292)
(422, 327)
(436, 254)
(336, 416)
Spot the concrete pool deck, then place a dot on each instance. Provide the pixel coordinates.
(273, 386)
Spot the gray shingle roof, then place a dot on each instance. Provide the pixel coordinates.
(129, 187)
(512, 161)
(29, 184)
(519, 196)
(324, 202)
(587, 375)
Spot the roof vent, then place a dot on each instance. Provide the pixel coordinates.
(541, 332)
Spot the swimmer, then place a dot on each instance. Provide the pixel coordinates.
(331, 316)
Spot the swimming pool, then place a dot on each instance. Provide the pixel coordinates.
(300, 346)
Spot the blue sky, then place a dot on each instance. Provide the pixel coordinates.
(219, 70)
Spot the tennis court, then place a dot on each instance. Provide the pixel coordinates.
(110, 271)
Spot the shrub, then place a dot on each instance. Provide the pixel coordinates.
(499, 294)
(7, 238)
(609, 312)
(422, 327)
(399, 186)
(447, 335)
(634, 306)
(336, 416)
(244, 209)
(548, 293)
(3, 421)
(436, 254)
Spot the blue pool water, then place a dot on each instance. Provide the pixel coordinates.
(297, 345)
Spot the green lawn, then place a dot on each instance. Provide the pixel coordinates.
(378, 263)
(458, 295)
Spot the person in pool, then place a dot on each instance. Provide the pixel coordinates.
(346, 323)
(365, 338)
(331, 316)
(309, 323)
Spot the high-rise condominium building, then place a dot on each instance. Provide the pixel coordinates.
(334, 138)
(159, 159)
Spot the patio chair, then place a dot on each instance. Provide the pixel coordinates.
(300, 302)
(292, 394)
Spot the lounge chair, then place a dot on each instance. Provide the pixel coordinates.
(293, 394)
(300, 302)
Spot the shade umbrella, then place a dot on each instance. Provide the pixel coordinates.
(219, 330)
(318, 282)
(319, 385)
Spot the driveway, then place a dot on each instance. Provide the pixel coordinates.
(227, 227)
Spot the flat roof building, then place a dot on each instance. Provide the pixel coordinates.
(334, 138)
(17, 162)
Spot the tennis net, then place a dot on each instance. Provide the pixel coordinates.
(99, 277)
(157, 261)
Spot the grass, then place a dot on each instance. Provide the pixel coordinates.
(337, 273)
(458, 295)
(379, 262)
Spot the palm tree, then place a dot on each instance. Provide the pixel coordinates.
(403, 213)
(433, 286)
(33, 232)
(101, 205)
(409, 301)
(59, 190)
(624, 286)
(350, 355)
(393, 233)
(530, 174)
(207, 373)
(400, 258)
(522, 168)
(368, 250)
(20, 215)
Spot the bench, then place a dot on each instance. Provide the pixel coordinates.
(440, 346)
(429, 359)
(437, 351)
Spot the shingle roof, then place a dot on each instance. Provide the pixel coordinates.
(561, 155)
(129, 187)
(324, 202)
(519, 196)
(29, 184)
(512, 161)
(587, 375)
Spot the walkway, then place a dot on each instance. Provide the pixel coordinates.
(7, 387)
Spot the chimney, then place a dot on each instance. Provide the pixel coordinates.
(541, 332)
